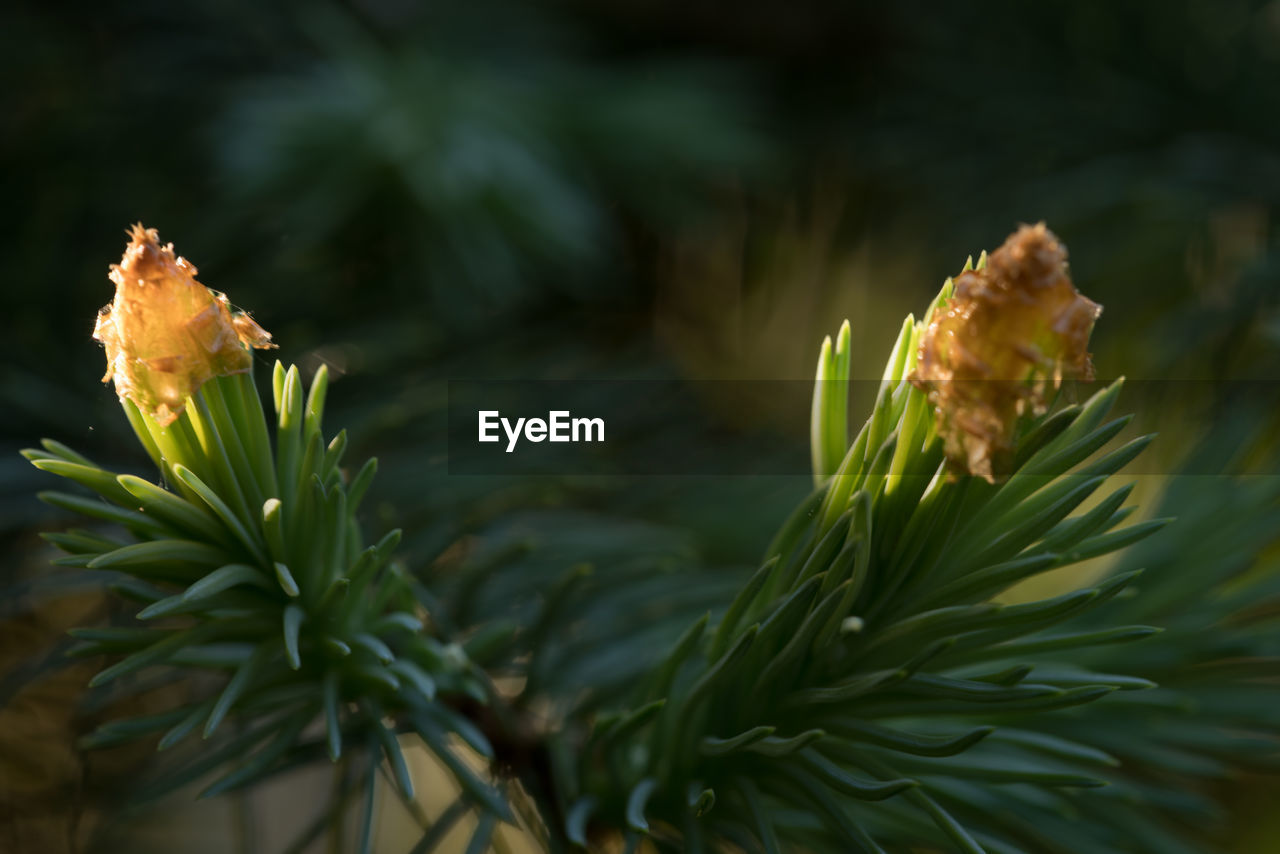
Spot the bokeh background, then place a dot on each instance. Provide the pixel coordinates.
(413, 192)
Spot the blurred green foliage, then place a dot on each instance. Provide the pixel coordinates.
(603, 189)
(494, 163)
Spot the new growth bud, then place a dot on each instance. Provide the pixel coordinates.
(1014, 329)
(165, 333)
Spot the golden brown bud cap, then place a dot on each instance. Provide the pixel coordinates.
(1013, 330)
(165, 333)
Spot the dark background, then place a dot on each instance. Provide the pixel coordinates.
(413, 193)
(624, 190)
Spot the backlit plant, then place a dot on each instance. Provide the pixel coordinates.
(866, 689)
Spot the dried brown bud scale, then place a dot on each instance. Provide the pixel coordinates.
(1014, 329)
(165, 333)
